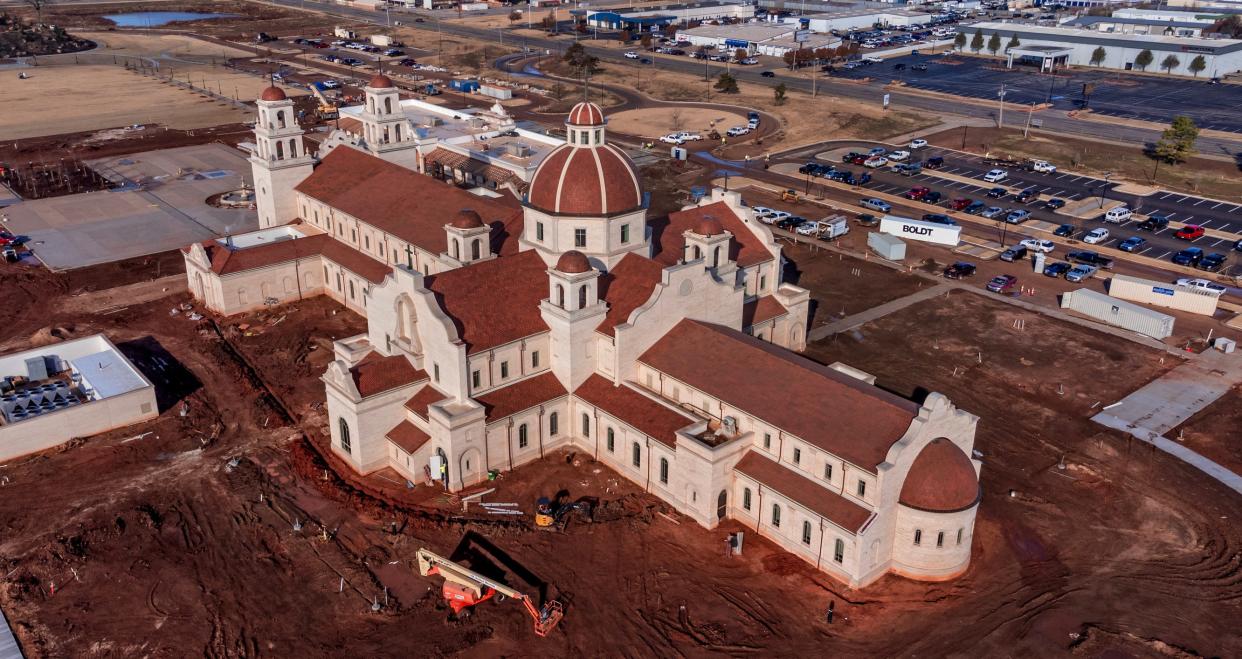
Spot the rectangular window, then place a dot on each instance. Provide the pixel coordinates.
(763, 283)
(474, 379)
(767, 440)
(435, 370)
(838, 551)
(664, 471)
(918, 537)
(939, 540)
(797, 456)
(353, 236)
(637, 458)
(828, 472)
(504, 369)
(534, 359)
(746, 499)
(625, 233)
(579, 237)
(539, 231)
(862, 488)
(959, 536)
(806, 533)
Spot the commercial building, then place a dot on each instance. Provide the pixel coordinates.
(843, 21)
(77, 388)
(500, 328)
(1203, 17)
(1117, 25)
(747, 36)
(1050, 47)
(649, 18)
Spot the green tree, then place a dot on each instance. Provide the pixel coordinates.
(1013, 42)
(1169, 63)
(1197, 65)
(779, 94)
(582, 62)
(514, 16)
(1144, 59)
(976, 42)
(994, 43)
(726, 84)
(645, 40)
(1177, 143)
(959, 41)
(1098, 55)
(741, 54)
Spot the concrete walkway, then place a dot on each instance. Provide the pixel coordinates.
(1166, 402)
(8, 644)
(863, 317)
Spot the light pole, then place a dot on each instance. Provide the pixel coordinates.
(1104, 187)
(1000, 118)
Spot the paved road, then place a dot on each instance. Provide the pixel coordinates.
(1054, 120)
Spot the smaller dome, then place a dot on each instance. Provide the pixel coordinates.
(942, 479)
(709, 226)
(586, 114)
(466, 219)
(380, 81)
(273, 93)
(573, 262)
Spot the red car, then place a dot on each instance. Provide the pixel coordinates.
(917, 192)
(959, 204)
(858, 160)
(1190, 232)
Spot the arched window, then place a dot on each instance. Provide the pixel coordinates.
(637, 457)
(664, 471)
(523, 440)
(351, 289)
(456, 249)
(838, 551)
(344, 435)
(776, 515)
(552, 424)
(698, 253)
(586, 425)
(397, 129)
(918, 537)
(560, 296)
(293, 148)
(371, 105)
(280, 150)
(940, 540)
(612, 445)
(746, 498)
(582, 297)
(280, 118)
(573, 137)
(716, 257)
(474, 249)
(806, 533)
(959, 536)
(599, 136)
(388, 105)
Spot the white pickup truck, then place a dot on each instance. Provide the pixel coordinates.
(1043, 167)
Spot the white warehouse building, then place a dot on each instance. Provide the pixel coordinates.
(862, 18)
(1053, 47)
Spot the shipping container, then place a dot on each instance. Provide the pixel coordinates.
(502, 93)
(1119, 313)
(888, 247)
(1160, 294)
(463, 85)
(382, 40)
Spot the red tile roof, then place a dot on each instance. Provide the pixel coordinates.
(803, 491)
(522, 395)
(582, 180)
(942, 479)
(408, 437)
(225, 261)
(628, 286)
(411, 206)
(746, 248)
(376, 374)
(494, 302)
(764, 308)
(425, 398)
(654, 419)
(849, 418)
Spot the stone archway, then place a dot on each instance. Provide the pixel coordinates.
(407, 323)
(471, 467)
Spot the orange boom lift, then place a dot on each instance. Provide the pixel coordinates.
(464, 588)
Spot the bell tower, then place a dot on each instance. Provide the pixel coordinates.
(385, 127)
(572, 311)
(279, 162)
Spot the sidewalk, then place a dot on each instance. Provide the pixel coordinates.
(863, 317)
(8, 644)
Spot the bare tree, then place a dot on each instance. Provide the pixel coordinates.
(37, 5)
(674, 120)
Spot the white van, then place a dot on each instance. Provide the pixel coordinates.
(1118, 215)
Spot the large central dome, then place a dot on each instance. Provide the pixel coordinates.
(586, 175)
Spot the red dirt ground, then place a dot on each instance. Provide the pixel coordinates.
(1216, 431)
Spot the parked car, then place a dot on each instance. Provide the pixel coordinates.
(933, 197)
(1091, 258)
(1043, 167)
(849, 157)
(1117, 215)
(672, 138)
(959, 204)
(995, 176)
(1204, 285)
(768, 74)
(917, 192)
(1188, 256)
(631, 55)
(1002, 283)
(877, 151)
(960, 270)
(976, 207)
(1096, 236)
(1132, 243)
(918, 144)
(938, 218)
(1154, 223)
(876, 205)
(1190, 232)
(1065, 230)
(1212, 262)
(1039, 245)
(1018, 216)
(909, 169)
(867, 220)
(1081, 272)
(1027, 195)
(997, 193)
(992, 212)
(1056, 269)
(935, 162)
(875, 161)
(737, 131)
(1054, 204)
(1238, 246)
(1015, 253)
(899, 156)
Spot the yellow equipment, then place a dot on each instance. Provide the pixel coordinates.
(464, 588)
(789, 195)
(327, 110)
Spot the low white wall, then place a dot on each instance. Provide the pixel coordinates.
(48, 430)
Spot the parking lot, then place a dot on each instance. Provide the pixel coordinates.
(1116, 93)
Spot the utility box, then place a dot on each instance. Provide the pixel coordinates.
(1039, 261)
(888, 247)
(464, 85)
(1119, 313)
(383, 41)
(1160, 294)
(680, 153)
(499, 93)
(1225, 345)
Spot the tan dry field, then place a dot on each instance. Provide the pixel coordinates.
(654, 122)
(164, 46)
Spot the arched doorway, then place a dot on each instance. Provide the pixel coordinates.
(722, 504)
(444, 473)
(471, 467)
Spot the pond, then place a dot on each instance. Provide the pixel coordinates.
(159, 18)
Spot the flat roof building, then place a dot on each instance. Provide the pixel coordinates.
(1120, 25)
(648, 18)
(859, 19)
(1077, 46)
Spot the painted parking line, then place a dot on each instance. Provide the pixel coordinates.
(1163, 255)
(1218, 205)
(1219, 241)
(1162, 231)
(1075, 197)
(1165, 195)
(1062, 176)
(1187, 219)
(1145, 251)
(1201, 201)
(1205, 223)
(1170, 215)
(1224, 227)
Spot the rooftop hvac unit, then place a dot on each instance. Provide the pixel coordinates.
(36, 368)
(730, 426)
(520, 149)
